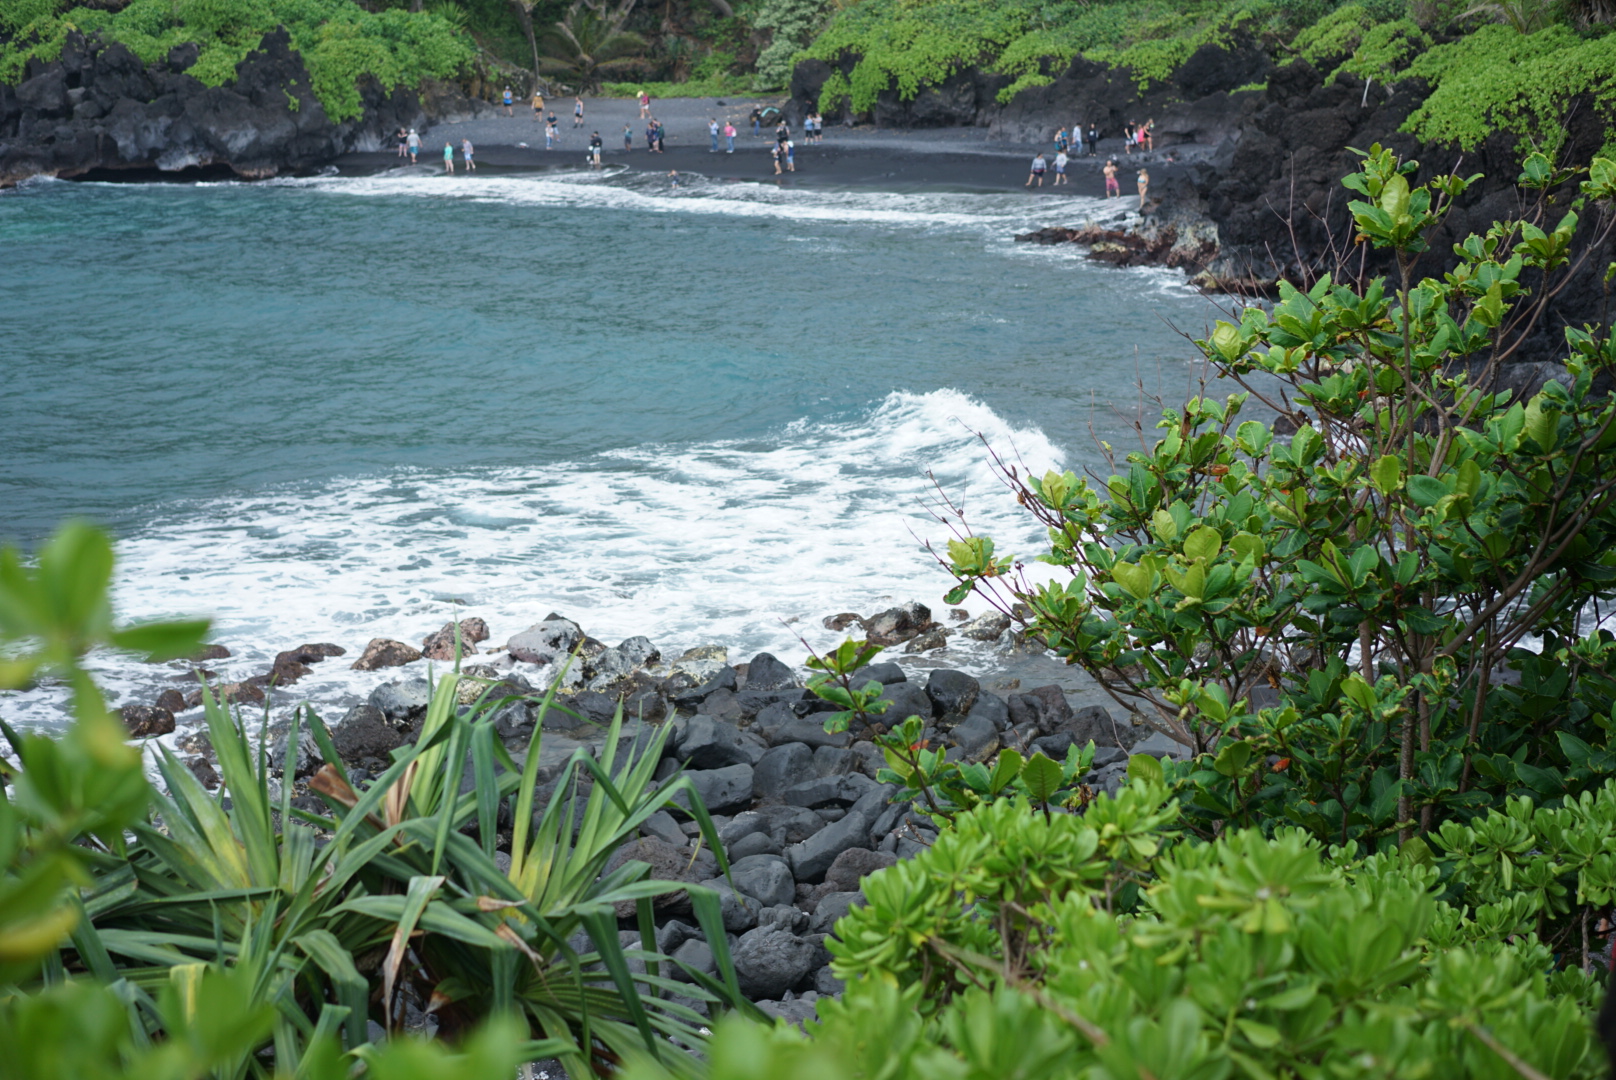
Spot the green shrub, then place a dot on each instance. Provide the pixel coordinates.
(1050, 947)
(227, 925)
(721, 85)
(340, 41)
(791, 25)
(1338, 619)
(1498, 79)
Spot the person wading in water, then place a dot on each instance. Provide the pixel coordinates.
(1112, 188)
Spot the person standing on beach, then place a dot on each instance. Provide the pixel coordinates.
(1060, 168)
(510, 100)
(791, 156)
(645, 104)
(413, 140)
(465, 152)
(712, 132)
(757, 121)
(1128, 130)
(1147, 135)
(1144, 186)
(1061, 142)
(448, 158)
(403, 138)
(628, 138)
(594, 149)
(538, 105)
(1094, 140)
(549, 134)
(776, 153)
(1077, 140)
(577, 112)
(1112, 190)
(729, 136)
(1039, 167)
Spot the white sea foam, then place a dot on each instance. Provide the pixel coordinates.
(744, 544)
(652, 193)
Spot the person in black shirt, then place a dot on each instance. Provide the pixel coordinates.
(594, 149)
(757, 121)
(1094, 137)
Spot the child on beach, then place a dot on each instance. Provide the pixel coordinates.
(509, 101)
(448, 158)
(1112, 190)
(550, 134)
(465, 152)
(1039, 167)
(673, 175)
(777, 155)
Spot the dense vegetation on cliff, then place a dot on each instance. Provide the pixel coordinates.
(1515, 66)
(340, 41)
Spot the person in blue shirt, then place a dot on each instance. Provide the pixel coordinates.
(1061, 141)
(510, 100)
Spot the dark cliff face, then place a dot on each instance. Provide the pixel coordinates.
(1274, 193)
(99, 108)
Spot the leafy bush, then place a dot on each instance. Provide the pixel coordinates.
(340, 41)
(714, 86)
(1481, 85)
(791, 25)
(1338, 620)
(221, 926)
(1044, 947)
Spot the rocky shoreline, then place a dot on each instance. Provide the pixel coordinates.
(800, 812)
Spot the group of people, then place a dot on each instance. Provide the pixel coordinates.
(728, 131)
(1084, 140)
(409, 145)
(785, 151)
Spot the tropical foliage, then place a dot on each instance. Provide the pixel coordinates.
(340, 41)
(1037, 946)
(220, 926)
(1387, 619)
(590, 43)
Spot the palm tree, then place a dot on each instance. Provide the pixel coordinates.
(590, 42)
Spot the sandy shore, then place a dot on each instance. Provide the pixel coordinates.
(957, 159)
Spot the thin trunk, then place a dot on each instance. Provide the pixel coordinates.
(524, 15)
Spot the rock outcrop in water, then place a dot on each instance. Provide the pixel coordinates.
(99, 110)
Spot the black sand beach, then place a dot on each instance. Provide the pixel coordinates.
(946, 159)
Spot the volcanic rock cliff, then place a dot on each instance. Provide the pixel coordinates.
(99, 108)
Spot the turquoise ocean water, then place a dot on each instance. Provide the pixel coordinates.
(337, 408)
